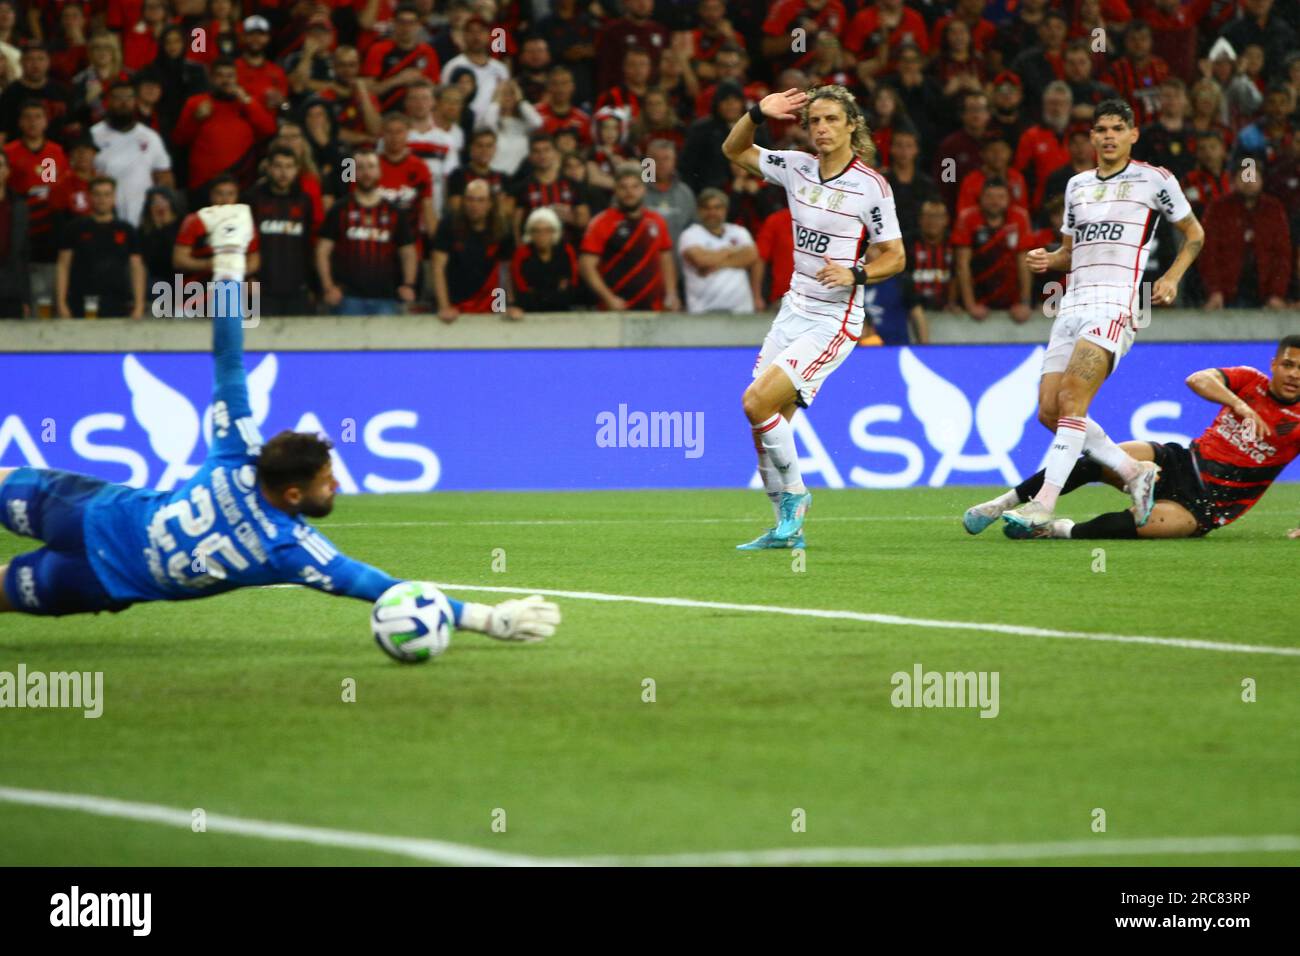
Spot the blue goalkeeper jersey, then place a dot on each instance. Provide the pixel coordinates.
(217, 532)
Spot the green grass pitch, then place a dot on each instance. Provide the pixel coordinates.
(234, 704)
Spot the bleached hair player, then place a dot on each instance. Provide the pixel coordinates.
(839, 206)
(1106, 238)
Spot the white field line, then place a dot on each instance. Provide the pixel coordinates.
(1016, 629)
(440, 851)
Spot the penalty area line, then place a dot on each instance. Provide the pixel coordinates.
(459, 854)
(1018, 630)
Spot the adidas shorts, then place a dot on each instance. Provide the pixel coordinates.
(1115, 335)
(806, 348)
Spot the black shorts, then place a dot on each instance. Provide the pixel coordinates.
(1180, 482)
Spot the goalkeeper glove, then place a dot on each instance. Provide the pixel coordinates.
(528, 619)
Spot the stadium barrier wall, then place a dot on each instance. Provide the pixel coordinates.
(571, 330)
(564, 419)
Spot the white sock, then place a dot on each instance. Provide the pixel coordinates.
(772, 483)
(1106, 453)
(1061, 459)
(778, 441)
(1006, 501)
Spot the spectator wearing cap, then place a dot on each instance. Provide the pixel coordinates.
(666, 194)
(393, 65)
(140, 40)
(222, 129)
(995, 163)
(1167, 141)
(570, 33)
(261, 77)
(37, 165)
(311, 66)
(15, 278)
(1248, 253)
(703, 164)
(920, 95)
(626, 96)
(609, 151)
(99, 259)
(1265, 139)
(876, 32)
(91, 87)
(1082, 158)
(544, 267)
(35, 83)
(1261, 26)
(991, 239)
(488, 72)
(959, 153)
(635, 28)
(1042, 149)
(1086, 91)
(130, 153)
(1137, 74)
(716, 256)
(910, 186)
(1007, 107)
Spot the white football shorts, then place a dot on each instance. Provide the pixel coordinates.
(807, 348)
(1114, 334)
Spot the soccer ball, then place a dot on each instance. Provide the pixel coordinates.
(412, 622)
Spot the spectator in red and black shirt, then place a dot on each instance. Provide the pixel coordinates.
(222, 129)
(261, 77)
(556, 108)
(1137, 75)
(1168, 140)
(468, 251)
(99, 257)
(544, 186)
(533, 69)
(991, 240)
(34, 84)
(36, 167)
(627, 252)
(482, 148)
(811, 16)
(876, 33)
(544, 267)
(930, 260)
(713, 33)
(193, 251)
(397, 63)
(366, 255)
(404, 178)
(15, 291)
(1210, 179)
(356, 110)
(1248, 253)
(626, 96)
(633, 29)
(282, 212)
(90, 87)
(959, 153)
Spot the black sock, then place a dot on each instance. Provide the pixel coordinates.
(1117, 524)
(1085, 472)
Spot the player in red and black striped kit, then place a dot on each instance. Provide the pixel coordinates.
(1220, 476)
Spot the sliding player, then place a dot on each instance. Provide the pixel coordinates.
(239, 522)
(1216, 479)
(1106, 238)
(838, 205)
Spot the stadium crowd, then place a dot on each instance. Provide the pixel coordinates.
(456, 156)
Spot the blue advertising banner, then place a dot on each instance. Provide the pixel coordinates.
(579, 419)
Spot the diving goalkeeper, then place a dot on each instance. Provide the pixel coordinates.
(239, 522)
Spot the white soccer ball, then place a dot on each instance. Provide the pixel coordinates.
(412, 622)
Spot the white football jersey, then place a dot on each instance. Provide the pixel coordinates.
(230, 231)
(837, 217)
(1112, 221)
(725, 289)
(440, 149)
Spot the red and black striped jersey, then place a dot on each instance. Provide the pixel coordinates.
(628, 251)
(1236, 463)
(931, 266)
(364, 261)
(474, 259)
(994, 250)
(386, 59)
(36, 175)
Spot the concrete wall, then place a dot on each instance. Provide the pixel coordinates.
(565, 330)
